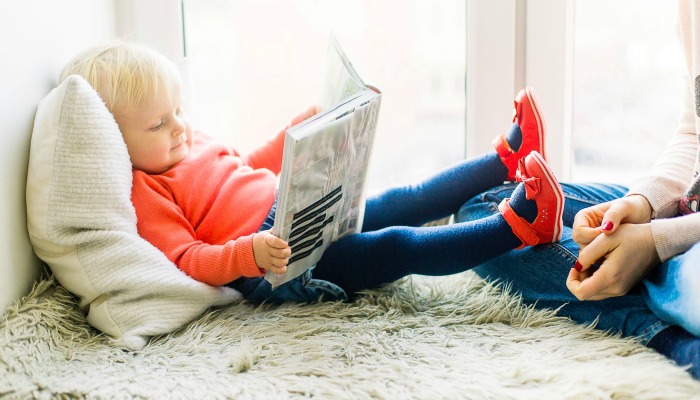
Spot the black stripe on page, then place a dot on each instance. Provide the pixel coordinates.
(317, 203)
(300, 246)
(304, 228)
(306, 253)
(311, 232)
(317, 212)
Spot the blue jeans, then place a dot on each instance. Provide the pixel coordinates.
(539, 273)
(672, 290)
(302, 289)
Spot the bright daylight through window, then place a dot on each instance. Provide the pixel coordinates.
(258, 64)
(628, 73)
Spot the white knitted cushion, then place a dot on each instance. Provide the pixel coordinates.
(83, 225)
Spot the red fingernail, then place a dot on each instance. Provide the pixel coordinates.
(578, 267)
(607, 226)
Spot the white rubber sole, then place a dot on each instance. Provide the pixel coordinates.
(538, 117)
(559, 194)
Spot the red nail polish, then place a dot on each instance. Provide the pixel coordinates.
(607, 226)
(578, 267)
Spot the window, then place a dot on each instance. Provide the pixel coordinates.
(256, 64)
(609, 75)
(627, 82)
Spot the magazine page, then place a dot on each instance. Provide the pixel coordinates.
(340, 78)
(322, 197)
(324, 167)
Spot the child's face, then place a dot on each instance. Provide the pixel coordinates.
(157, 135)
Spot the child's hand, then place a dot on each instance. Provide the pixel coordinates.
(270, 252)
(308, 113)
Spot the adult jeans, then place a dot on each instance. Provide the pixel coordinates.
(672, 290)
(539, 273)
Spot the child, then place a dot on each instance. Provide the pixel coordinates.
(209, 208)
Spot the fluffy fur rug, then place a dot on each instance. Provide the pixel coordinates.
(423, 338)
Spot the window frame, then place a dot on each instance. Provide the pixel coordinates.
(524, 43)
(155, 23)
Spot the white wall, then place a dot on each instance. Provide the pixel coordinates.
(37, 37)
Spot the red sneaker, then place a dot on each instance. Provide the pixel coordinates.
(529, 119)
(542, 186)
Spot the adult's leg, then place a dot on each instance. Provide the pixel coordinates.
(672, 291)
(539, 273)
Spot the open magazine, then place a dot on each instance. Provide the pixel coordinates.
(324, 168)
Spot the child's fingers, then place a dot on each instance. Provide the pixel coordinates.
(279, 257)
(276, 264)
(278, 270)
(284, 253)
(274, 241)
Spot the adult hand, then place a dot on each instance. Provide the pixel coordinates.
(607, 217)
(587, 222)
(270, 252)
(627, 255)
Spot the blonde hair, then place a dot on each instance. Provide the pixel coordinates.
(126, 74)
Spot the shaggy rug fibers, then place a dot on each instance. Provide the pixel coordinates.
(423, 338)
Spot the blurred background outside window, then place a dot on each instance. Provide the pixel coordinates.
(628, 77)
(256, 64)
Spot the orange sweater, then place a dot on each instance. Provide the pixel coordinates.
(203, 212)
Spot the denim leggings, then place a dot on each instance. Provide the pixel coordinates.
(393, 243)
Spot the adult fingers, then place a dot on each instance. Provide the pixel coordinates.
(584, 235)
(588, 282)
(595, 252)
(593, 287)
(617, 212)
(573, 281)
(586, 225)
(631, 209)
